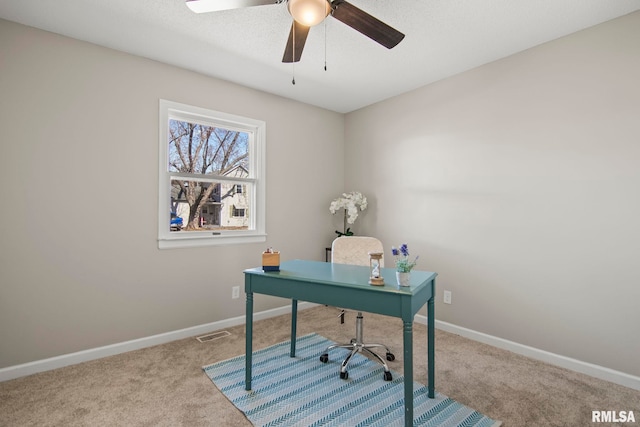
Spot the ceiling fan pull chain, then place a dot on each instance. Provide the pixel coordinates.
(325, 45)
(293, 62)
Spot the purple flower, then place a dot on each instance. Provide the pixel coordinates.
(403, 263)
(404, 249)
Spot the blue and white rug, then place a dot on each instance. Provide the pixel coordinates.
(302, 391)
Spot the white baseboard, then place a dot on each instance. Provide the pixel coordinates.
(590, 369)
(30, 368)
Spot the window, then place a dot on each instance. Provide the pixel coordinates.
(212, 178)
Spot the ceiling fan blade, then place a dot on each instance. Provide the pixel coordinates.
(203, 6)
(366, 24)
(301, 33)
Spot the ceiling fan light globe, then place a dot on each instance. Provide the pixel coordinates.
(309, 12)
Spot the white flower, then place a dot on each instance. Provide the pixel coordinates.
(350, 202)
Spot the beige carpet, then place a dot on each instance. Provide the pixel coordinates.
(166, 386)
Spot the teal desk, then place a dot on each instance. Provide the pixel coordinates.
(347, 286)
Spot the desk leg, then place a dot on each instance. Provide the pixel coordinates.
(431, 354)
(408, 374)
(248, 341)
(294, 322)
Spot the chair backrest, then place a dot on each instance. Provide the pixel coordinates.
(355, 250)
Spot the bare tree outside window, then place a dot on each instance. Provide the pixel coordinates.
(205, 152)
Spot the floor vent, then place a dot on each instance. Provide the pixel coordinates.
(213, 336)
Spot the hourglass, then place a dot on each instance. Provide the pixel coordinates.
(374, 269)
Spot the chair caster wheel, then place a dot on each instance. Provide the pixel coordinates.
(344, 375)
(390, 357)
(324, 358)
(387, 376)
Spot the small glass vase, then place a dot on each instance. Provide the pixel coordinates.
(403, 278)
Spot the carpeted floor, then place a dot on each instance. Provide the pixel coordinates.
(166, 386)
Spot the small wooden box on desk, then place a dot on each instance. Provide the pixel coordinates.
(271, 261)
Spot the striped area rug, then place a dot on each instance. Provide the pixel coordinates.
(303, 391)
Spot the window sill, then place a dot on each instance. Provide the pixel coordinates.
(195, 241)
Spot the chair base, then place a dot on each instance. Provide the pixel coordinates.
(357, 346)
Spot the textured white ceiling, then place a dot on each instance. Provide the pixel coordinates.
(443, 38)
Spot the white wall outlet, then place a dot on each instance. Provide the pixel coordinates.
(447, 297)
(235, 292)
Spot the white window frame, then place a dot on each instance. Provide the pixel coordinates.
(257, 177)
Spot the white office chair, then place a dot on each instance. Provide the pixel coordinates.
(355, 250)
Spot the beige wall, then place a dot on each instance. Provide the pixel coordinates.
(79, 160)
(519, 183)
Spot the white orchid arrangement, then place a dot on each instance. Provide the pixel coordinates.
(350, 202)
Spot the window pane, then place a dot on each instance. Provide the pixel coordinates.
(207, 150)
(204, 206)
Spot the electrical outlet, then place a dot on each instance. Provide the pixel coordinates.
(447, 297)
(235, 292)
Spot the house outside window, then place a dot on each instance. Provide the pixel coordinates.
(212, 177)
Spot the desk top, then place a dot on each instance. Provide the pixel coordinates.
(347, 286)
(345, 276)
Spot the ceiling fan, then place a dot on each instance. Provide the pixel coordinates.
(306, 14)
